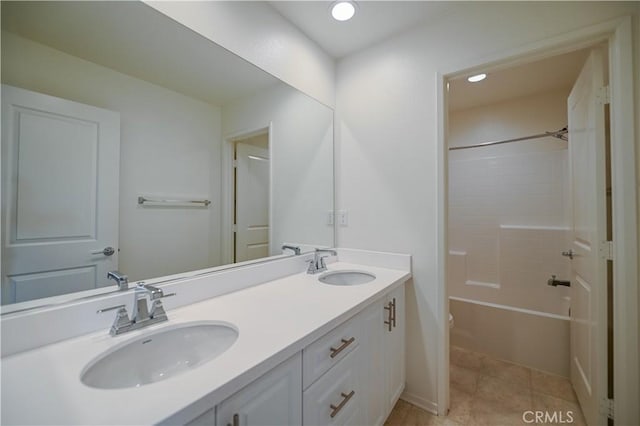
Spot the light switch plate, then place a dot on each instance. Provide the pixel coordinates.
(343, 217)
(330, 217)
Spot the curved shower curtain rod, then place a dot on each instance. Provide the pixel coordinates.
(560, 134)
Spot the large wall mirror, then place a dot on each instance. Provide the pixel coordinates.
(131, 143)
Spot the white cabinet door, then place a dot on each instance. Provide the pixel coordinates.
(393, 341)
(373, 365)
(60, 175)
(274, 399)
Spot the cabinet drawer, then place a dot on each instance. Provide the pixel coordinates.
(328, 350)
(337, 397)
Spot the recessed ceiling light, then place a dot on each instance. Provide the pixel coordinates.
(476, 78)
(343, 10)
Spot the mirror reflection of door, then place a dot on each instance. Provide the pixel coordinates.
(60, 165)
(251, 189)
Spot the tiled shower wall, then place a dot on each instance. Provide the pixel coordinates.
(508, 224)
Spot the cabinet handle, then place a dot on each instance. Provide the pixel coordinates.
(393, 310)
(236, 420)
(345, 343)
(389, 308)
(345, 399)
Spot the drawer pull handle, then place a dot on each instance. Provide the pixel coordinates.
(345, 343)
(390, 308)
(345, 399)
(236, 420)
(393, 310)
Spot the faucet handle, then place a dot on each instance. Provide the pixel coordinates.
(312, 266)
(157, 310)
(111, 308)
(122, 318)
(321, 263)
(155, 293)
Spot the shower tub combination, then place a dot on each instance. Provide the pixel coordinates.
(535, 339)
(520, 318)
(507, 229)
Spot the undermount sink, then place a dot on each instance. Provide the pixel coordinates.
(160, 355)
(346, 277)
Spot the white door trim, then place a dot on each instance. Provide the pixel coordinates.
(618, 34)
(227, 187)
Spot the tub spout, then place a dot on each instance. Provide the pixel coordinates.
(555, 283)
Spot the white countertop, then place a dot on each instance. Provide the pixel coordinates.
(275, 320)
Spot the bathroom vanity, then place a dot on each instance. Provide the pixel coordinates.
(303, 352)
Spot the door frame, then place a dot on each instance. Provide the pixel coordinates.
(228, 184)
(617, 33)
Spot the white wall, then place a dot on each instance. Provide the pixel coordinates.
(386, 142)
(301, 149)
(512, 118)
(257, 33)
(509, 204)
(169, 146)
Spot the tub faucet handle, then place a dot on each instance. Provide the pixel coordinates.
(555, 283)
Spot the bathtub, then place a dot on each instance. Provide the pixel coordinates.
(534, 339)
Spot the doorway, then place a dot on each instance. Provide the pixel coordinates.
(516, 169)
(251, 189)
(622, 177)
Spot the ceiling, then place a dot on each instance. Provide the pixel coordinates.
(110, 34)
(553, 73)
(134, 39)
(374, 21)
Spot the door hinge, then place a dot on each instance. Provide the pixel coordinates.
(606, 250)
(606, 407)
(235, 228)
(235, 164)
(604, 95)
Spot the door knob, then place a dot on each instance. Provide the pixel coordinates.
(569, 254)
(107, 251)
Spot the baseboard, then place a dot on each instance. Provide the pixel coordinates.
(418, 401)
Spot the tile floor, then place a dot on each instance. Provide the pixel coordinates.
(487, 391)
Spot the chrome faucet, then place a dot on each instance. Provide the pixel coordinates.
(141, 317)
(295, 249)
(317, 263)
(140, 308)
(122, 281)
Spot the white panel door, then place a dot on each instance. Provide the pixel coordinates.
(252, 202)
(60, 177)
(588, 284)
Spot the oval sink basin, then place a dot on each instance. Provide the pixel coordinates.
(159, 356)
(346, 277)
